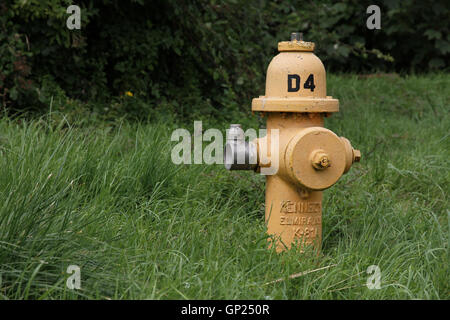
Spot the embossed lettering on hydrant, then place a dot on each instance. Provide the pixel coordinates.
(288, 206)
(299, 220)
(307, 234)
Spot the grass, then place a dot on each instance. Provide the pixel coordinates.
(106, 197)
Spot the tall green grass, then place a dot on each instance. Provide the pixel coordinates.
(106, 197)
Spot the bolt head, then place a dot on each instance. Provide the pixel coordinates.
(356, 155)
(320, 160)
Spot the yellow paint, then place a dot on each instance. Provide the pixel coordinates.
(302, 63)
(311, 158)
(295, 45)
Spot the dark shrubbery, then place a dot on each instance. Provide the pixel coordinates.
(197, 57)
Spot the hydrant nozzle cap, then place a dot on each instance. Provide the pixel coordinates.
(235, 132)
(296, 44)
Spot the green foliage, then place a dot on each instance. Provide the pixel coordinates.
(106, 197)
(201, 58)
(14, 61)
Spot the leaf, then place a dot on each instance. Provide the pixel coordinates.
(433, 34)
(13, 94)
(436, 63)
(443, 46)
(343, 51)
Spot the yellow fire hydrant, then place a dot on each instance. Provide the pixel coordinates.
(310, 157)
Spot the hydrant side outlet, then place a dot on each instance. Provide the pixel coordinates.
(311, 158)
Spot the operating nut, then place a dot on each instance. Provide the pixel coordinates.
(356, 155)
(320, 160)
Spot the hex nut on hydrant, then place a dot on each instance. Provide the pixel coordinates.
(311, 158)
(320, 160)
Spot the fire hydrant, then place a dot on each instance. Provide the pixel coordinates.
(310, 157)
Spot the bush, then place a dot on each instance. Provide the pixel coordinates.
(206, 57)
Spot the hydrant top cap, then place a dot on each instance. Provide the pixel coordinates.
(296, 44)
